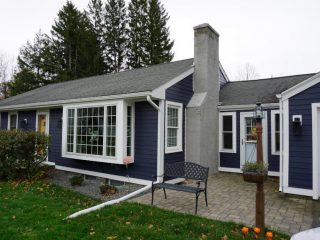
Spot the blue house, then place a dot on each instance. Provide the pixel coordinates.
(180, 111)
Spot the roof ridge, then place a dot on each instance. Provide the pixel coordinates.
(273, 78)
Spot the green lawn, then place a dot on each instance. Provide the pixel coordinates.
(35, 211)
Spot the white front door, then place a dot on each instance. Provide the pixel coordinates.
(248, 138)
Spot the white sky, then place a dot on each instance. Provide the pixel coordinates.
(278, 37)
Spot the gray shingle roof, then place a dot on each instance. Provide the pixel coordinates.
(131, 81)
(263, 90)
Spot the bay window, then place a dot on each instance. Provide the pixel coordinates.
(173, 127)
(97, 132)
(227, 132)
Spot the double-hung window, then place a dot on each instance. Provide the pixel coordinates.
(275, 132)
(227, 132)
(98, 132)
(13, 121)
(173, 127)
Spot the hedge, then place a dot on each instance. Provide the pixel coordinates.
(21, 153)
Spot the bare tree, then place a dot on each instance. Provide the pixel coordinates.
(6, 73)
(247, 72)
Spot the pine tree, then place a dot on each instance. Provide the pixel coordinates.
(116, 34)
(159, 46)
(75, 43)
(137, 13)
(95, 14)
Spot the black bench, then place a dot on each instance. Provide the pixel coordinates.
(186, 170)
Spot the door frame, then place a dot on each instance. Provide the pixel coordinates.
(243, 115)
(315, 150)
(43, 112)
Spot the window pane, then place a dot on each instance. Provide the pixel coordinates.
(129, 130)
(172, 117)
(277, 121)
(172, 137)
(227, 140)
(277, 141)
(227, 123)
(90, 130)
(111, 131)
(70, 130)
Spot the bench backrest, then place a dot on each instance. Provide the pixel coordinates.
(186, 170)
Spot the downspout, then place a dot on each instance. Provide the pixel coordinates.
(160, 152)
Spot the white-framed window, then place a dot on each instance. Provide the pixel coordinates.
(12, 121)
(174, 130)
(227, 132)
(275, 132)
(98, 132)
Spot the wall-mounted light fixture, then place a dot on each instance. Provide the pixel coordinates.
(24, 123)
(297, 125)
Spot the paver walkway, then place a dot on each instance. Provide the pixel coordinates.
(232, 199)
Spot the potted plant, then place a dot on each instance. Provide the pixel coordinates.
(255, 172)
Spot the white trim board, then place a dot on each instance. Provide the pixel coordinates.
(315, 149)
(298, 191)
(59, 103)
(226, 169)
(301, 87)
(247, 106)
(103, 175)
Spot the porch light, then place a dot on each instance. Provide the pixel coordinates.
(258, 112)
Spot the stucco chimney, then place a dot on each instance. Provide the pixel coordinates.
(202, 142)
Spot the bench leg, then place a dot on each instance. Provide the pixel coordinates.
(205, 194)
(196, 210)
(152, 192)
(165, 194)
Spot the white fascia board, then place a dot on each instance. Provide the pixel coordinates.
(301, 87)
(247, 106)
(160, 92)
(70, 101)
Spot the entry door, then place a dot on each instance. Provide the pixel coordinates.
(42, 122)
(248, 138)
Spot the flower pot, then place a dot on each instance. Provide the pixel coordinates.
(254, 177)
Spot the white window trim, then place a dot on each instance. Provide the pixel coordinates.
(177, 148)
(234, 132)
(131, 104)
(120, 133)
(273, 130)
(9, 119)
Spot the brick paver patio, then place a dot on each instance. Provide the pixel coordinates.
(232, 199)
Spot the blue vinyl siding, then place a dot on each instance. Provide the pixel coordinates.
(4, 120)
(31, 120)
(181, 92)
(145, 155)
(300, 147)
(232, 160)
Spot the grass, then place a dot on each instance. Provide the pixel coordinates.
(35, 211)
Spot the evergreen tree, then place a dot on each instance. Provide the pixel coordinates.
(96, 13)
(116, 34)
(75, 43)
(159, 46)
(137, 13)
(24, 80)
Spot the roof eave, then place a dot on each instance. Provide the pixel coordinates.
(60, 103)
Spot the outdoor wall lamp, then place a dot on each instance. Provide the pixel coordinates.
(297, 125)
(258, 112)
(24, 123)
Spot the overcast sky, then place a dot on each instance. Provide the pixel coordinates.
(278, 37)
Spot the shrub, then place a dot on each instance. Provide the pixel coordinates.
(76, 180)
(21, 153)
(108, 190)
(255, 167)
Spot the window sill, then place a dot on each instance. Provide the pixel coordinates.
(227, 151)
(275, 153)
(85, 157)
(173, 150)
